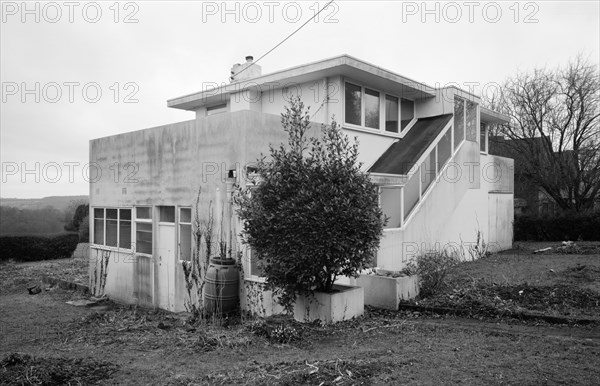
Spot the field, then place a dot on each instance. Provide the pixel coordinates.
(43, 338)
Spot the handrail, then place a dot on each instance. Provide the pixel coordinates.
(416, 171)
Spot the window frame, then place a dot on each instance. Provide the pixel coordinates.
(248, 252)
(486, 129)
(464, 121)
(179, 223)
(382, 111)
(250, 276)
(137, 220)
(104, 221)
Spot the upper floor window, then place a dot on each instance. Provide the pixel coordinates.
(465, 121)
(408, 112)
(372, 109)
(391, 114)
(483, 138)
(459, 121)
(353, 104)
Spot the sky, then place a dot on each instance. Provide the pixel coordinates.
(74, 71)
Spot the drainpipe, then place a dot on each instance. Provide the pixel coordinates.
(230, 182)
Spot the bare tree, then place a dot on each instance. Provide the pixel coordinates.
(555, 130)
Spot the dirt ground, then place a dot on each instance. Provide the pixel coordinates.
(380, 348)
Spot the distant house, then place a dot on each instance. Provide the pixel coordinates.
(426, 149)
(530, 197)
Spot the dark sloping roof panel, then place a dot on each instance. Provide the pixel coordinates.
(402, 155)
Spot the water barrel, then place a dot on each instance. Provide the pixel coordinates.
(221, 289)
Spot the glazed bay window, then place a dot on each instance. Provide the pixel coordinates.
(459, 121)
(483, 138)
(185, 234)
(353, 104)
(465, 121)
(471, 121)
(407, 111)
(143, 230)
(112, 227)
(375, 110)
(391, 114)
(371, 109)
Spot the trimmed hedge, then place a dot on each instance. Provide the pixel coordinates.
(33, 248)
(558, 228)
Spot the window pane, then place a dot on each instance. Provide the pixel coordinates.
(125, 214)
(99, 226)
(471, 121)
(407, 112)
(256, 267)
(185, 242)
(143, 212)
(353, 104)
(111, 213)
(427, 171)
(185, 215)
(391, 114)
(111, 232)
(166, 214)
(125, 234)
(143, 238)
(390, 198)
(444, 149)
(411, 194)
(482, 137)
(371, 109)
(459, 125)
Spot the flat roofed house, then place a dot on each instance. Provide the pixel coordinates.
(425, 148)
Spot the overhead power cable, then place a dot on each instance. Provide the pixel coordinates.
(284, 40)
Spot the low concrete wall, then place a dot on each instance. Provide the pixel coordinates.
(82, 251)
(258, 301)
(345, 304)
(386, 291)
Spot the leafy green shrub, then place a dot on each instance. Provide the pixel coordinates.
(314, 215)
(34, 248)
(567, 226)
(432, 269)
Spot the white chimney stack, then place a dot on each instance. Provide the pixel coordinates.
(248, 70)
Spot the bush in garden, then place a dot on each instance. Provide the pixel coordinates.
(432, 269)
(314, 215)
(33, 248)
(81, 214)
(565, 226)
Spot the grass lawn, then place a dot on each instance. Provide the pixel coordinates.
(44, 339)
(554, 283)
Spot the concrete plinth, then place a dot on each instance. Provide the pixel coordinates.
(346, 302)
(386, 291)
